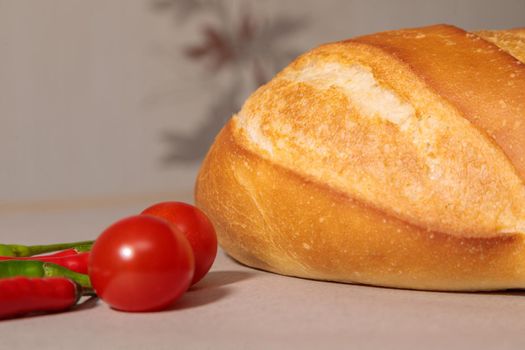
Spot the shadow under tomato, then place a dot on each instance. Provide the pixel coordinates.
(216, 279)
(213, 287)
(89, 303)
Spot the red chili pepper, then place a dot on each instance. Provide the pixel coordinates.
(67, 252)
(62, 253)
(77, 262)
(22, 295)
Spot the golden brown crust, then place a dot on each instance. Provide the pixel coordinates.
(394, 159)
(393, 143)
(271, 218)
(474, 75)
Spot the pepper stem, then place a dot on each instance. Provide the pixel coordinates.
(89, 292)
(83, 248)
(19, 250)
(54, 270)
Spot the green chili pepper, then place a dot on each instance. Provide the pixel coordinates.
(27, 268)
(18, 250)
(54, 270)
(33, 268)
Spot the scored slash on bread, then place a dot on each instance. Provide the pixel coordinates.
(394, 159)
(512, 41)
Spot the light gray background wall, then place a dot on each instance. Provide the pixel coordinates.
(87, 88)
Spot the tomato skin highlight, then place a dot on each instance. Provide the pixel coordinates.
(141, 263)
(197, 228)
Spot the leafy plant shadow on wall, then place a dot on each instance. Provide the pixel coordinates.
(234, 43)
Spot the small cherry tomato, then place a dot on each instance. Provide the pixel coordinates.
(141, 263)
(197, 228)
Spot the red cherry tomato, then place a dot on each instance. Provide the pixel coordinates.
(197, 228)
(141, 263)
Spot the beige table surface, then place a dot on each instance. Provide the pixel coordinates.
(235, 307)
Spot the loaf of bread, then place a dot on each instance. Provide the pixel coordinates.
(395, 159)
